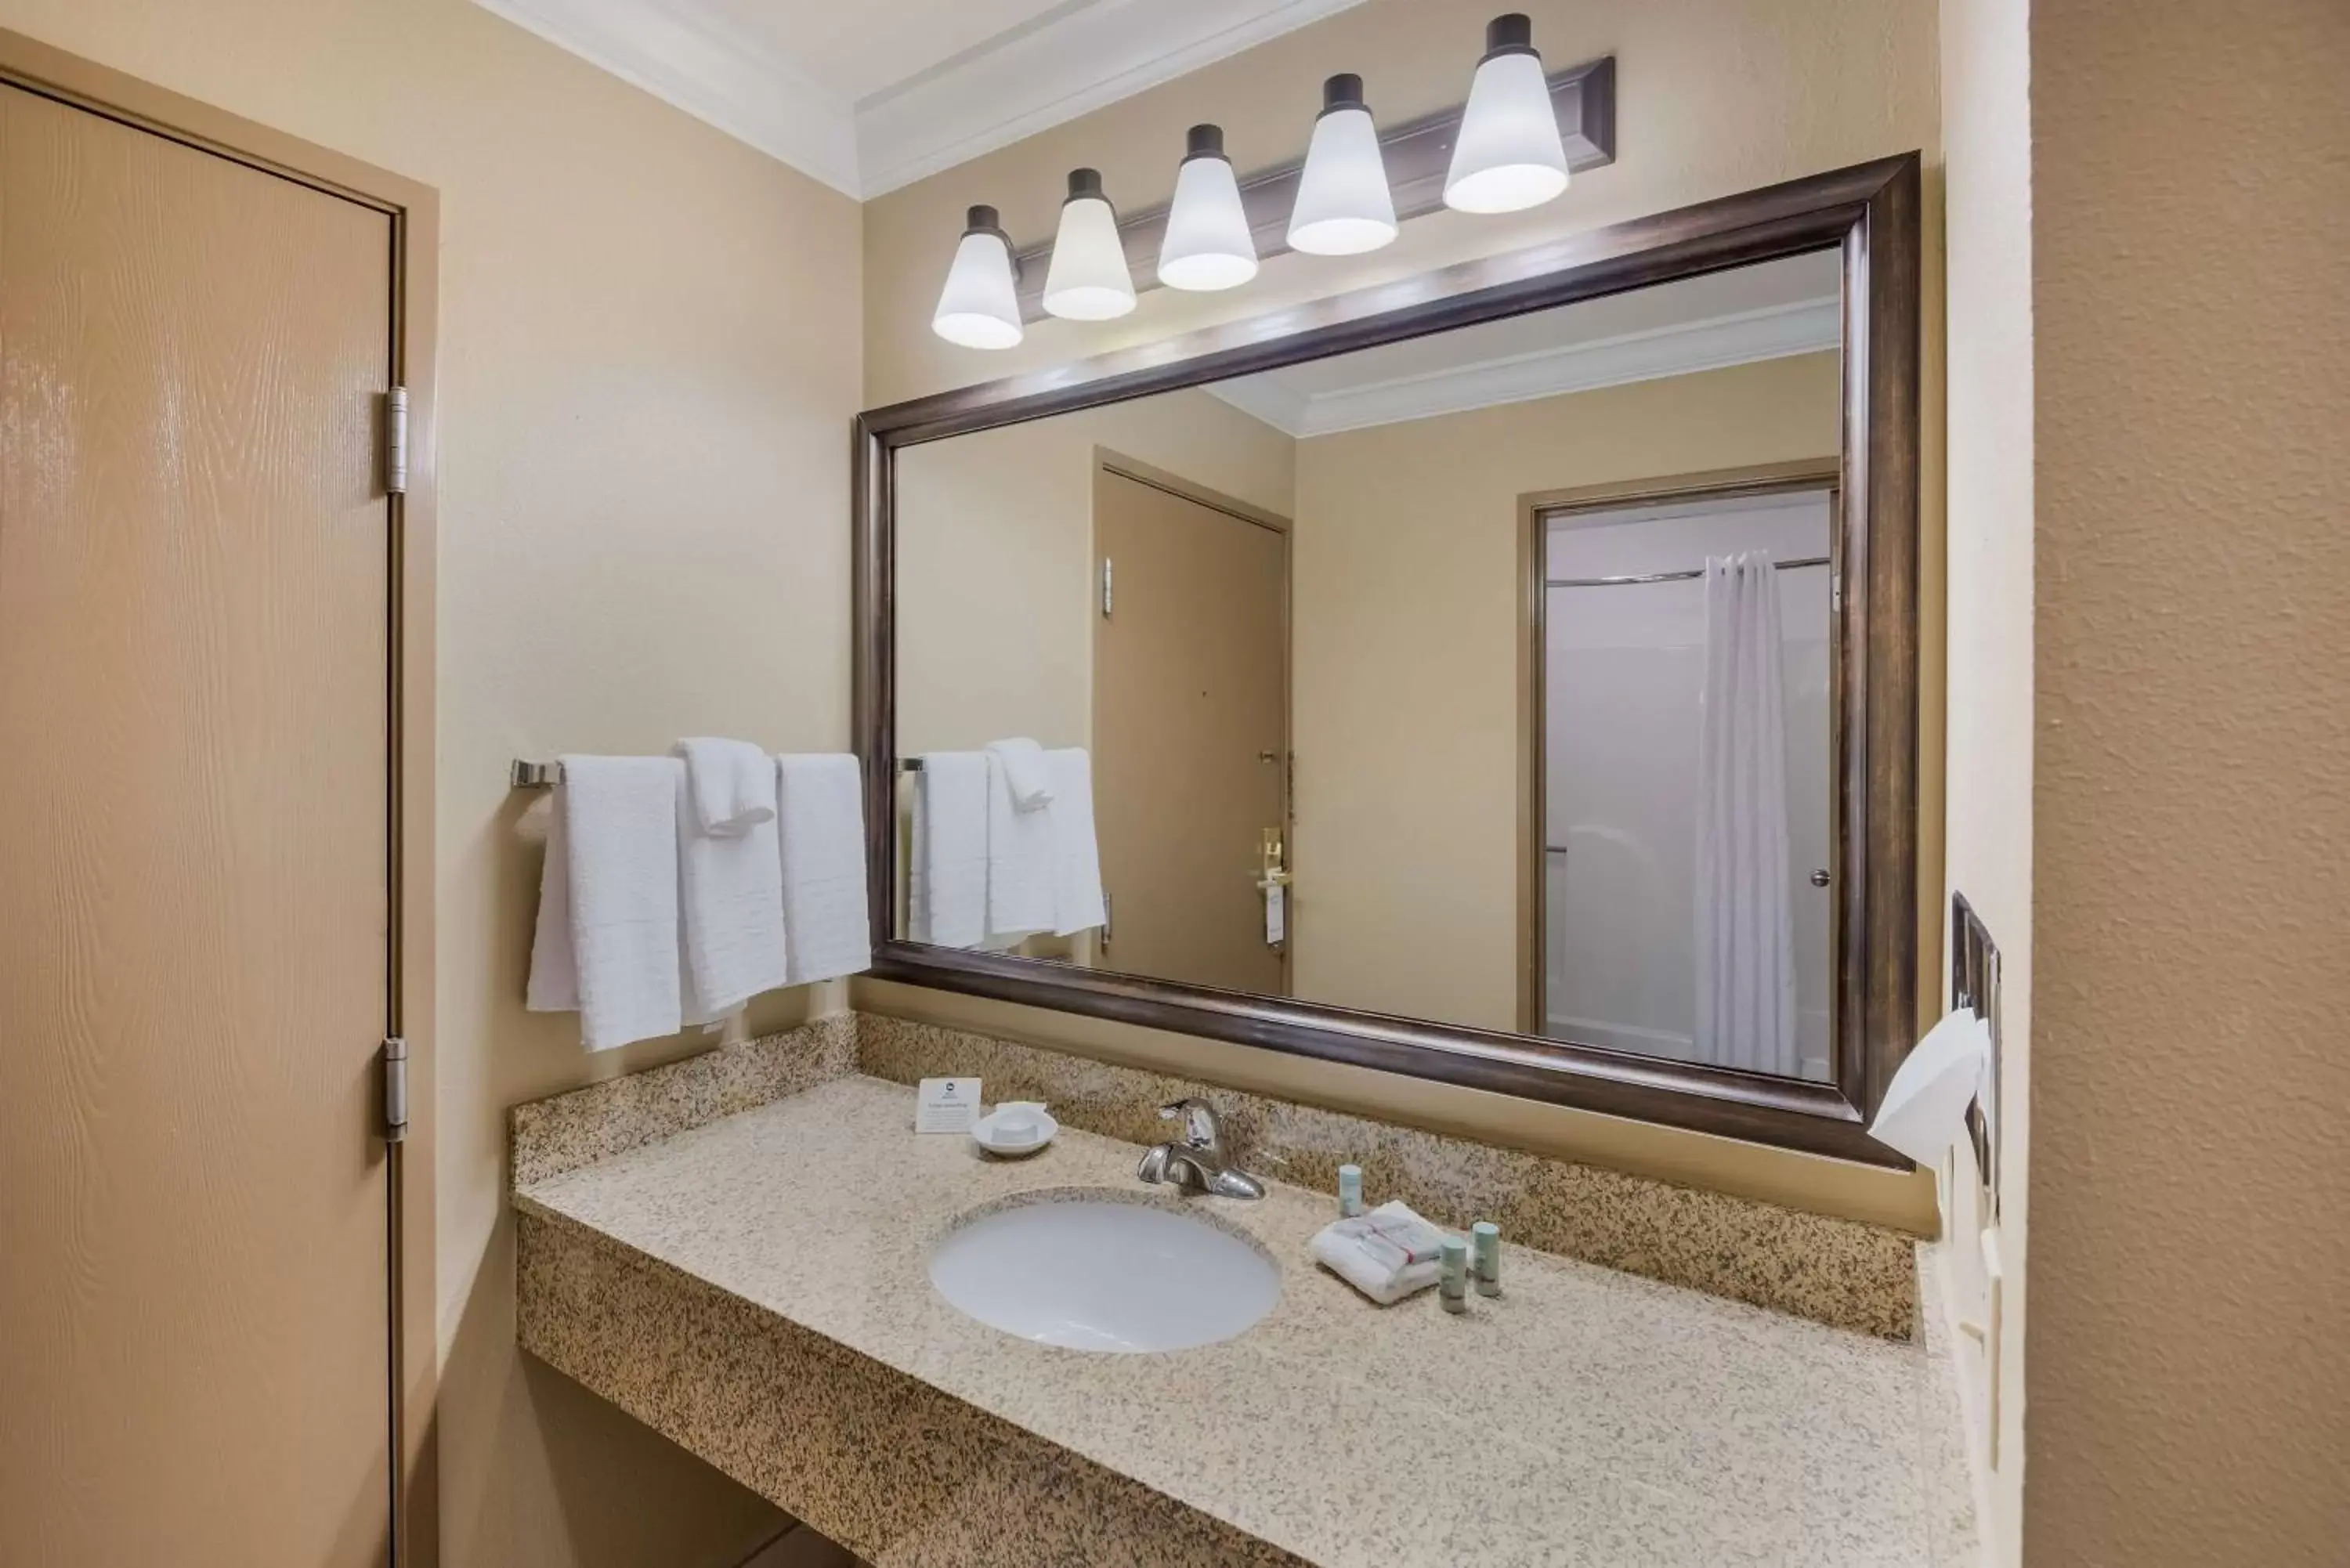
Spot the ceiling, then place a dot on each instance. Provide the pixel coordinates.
(870, 95)
(1762, 312)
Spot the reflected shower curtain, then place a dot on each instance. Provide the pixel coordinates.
(1745, 912)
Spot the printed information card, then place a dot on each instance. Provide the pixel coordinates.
(946, 1104)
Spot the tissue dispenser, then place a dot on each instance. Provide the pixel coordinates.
(1925, 1109)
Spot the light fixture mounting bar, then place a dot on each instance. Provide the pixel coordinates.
(1418, 156)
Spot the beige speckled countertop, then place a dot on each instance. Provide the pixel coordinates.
(1586, 1417)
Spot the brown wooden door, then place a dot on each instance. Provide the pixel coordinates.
(1191, 732)
(193, 849)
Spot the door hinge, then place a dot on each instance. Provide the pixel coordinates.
(395, 441)
(395, 1089)
(1107, 600)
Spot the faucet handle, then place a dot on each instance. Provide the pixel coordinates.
(1198, 1120)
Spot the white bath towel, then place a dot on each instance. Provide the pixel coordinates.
(1387, 1254)
(1025, 771)
(1021, 870)
(947, 894)
(820, 804)
(1076, 856)
(607, 941)
(730, 895)
(732, 784)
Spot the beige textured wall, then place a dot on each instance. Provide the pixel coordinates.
(1714, 98)
(1987, 143)
(2190, 1391)
(996, 597)
(1409, 613)
(649, 362)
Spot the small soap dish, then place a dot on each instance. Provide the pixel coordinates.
(1015, 1129)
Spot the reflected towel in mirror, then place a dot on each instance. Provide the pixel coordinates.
(947, 898)
(1076, 854)
(1020, 861)
(1025, 771)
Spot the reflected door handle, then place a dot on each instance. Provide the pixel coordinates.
(1820, 878)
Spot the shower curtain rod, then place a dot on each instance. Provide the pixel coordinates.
(1666, 576)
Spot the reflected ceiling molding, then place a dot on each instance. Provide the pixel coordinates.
(688, 55)
(1772, 332)
(1067, 61)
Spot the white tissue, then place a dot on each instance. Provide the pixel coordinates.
(1925, 1110)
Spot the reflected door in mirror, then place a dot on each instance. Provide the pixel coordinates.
(1191, 730)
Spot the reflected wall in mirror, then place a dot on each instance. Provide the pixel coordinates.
(1482, 677)
(1505, 675)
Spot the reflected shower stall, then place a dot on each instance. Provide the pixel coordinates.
(1686, 911)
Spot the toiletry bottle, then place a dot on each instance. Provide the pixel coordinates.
(1452, 1280)
(1350, 1192)
(1487, 1262)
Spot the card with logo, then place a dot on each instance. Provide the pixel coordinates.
(946, 1104)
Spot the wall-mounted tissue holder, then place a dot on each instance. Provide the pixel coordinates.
(1975, 983)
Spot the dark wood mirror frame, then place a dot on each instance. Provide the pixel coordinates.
(1870, 214)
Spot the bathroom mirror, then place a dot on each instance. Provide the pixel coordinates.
(1506, 676)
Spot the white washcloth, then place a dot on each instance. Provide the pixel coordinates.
(730, 900)
(1076, 856)
(1387, 1254)
(1020, 864)
(732, 784)
(1025, 771)
(820, 802)
(947, 898)
(607, 941)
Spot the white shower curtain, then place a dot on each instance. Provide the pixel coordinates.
(1745, 910)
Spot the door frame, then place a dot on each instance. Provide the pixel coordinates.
(414, 211)
(1535, 511)
(1108, 460)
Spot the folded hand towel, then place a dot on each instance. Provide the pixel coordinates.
(821, 813)
(1076, 856)
(947, 894)
(731, 894)
(1020, 862)
(732, 783)
(1387, 1254)
(1025, 771)
(607, 941)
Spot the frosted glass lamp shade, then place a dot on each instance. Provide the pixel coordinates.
(980, 307)
(1207, 244)
(1344, 206)
(1509, 155)
(1087, 280)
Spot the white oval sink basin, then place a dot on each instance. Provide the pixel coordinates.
(1089, 1275)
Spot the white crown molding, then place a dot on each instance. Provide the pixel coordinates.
(683, 55)
(1070, 62)
(1773, 332)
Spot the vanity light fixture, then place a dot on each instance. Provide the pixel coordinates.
(1344, 206)
(1208, 245)
(1509, 155)
(1087, 280)
(980, 307)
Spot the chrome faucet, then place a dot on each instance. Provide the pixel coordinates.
(1199, 1160)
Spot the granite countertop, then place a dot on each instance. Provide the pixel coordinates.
(1585, 1416)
